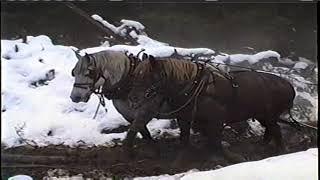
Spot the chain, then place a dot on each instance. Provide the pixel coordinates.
(101, 101)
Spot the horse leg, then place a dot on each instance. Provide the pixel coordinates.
(184, 126)
(138, 125)
(272, 132)
(275, 131)
(213, 130)
(267, 137)
(146, 134)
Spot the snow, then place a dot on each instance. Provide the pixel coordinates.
(252, 59)
(301, 165)
(36, 87)
(161, 51)
(43, 108)
(295, 166)
(134, 24)
(105, 23)
(20, 177)
(300, 65)
(121, 30)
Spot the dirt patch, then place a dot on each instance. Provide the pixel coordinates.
(166, 157)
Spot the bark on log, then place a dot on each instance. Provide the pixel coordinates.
(117, 38)
(30, 159)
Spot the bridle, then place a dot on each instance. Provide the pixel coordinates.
(96, 77)
(108, 93)
(91, 87)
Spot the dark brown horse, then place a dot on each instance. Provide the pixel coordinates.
(209, 97)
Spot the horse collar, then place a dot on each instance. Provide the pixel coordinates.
(123, 86)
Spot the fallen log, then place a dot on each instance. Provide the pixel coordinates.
(31, 166)
(30, 159)
(117, 39)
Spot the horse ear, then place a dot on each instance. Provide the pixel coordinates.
(77, 54)
(152, 58)
(144, 56)
(87, 57)
(153, 62)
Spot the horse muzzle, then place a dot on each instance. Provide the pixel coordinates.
(75, 99)
(78, 99)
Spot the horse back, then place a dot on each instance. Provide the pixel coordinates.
(261, 94)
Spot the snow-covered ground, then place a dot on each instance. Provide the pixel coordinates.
(36, 107)
(296, 166)
(36, 85)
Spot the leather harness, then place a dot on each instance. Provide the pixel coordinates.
(191, 92)
(122, 88)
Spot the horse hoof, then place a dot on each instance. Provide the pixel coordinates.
(263, 142)
(234, 157)
(183, 158)
(216, 158)
(282, 150)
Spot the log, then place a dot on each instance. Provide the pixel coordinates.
(31, 166)
(30, 159)
(117, 38)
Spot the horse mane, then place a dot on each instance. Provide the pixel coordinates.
(179, 69)
(174, 69)
(112, 59)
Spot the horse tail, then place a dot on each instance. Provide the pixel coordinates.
(293, 121)
(296, 124)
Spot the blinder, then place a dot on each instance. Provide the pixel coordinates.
(92, 74)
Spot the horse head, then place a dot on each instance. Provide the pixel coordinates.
(87, 78)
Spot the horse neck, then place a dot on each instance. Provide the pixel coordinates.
(176, 78)
(181, 72)
(116, 68)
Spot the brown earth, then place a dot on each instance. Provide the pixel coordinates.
(166, 158)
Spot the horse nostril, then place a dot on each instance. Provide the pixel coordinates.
(132, 103)
(134, 98)
(75, 98)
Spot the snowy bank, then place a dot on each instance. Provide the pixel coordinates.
(37, 82)
(296, 166)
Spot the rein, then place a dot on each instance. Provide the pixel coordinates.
(101, 102)
(95, 91)
(194, 95)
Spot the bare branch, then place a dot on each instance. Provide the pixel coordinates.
(19, 131)
(117, 39)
